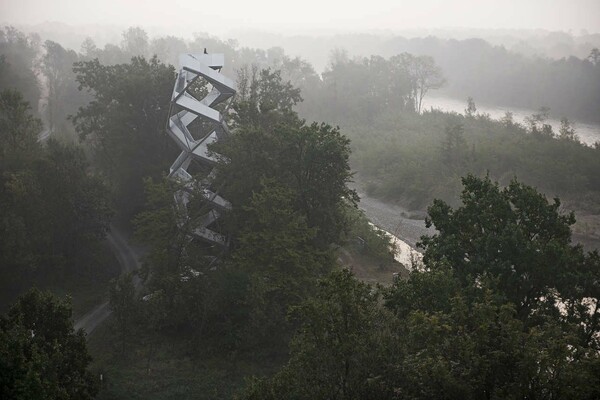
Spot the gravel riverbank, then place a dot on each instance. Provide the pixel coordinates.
(394, 219)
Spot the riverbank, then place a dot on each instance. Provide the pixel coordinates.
(393, 218)
(403, 227)
(588, 133)
(409, 225)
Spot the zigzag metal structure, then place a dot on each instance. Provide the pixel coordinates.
(185, 109)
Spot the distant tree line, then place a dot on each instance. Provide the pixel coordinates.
(492, 74)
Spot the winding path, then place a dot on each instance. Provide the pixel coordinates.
(129, 261)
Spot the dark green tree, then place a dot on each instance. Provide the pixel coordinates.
(457, 328)
(123, 304)
(460, 343)
(341, 350)
(76, 204)
(512, 239)
(275, 248)
(18, 189)
(125, 124)
(54, 211)
(263, 99)
(41, 356)
(271, 142)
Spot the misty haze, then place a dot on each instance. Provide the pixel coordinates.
(311, 200)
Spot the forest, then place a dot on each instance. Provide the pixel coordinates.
(307, 301)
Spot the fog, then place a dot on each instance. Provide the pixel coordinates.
(184, 17)
(314, 199)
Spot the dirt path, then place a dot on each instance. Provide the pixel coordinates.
(129, 261)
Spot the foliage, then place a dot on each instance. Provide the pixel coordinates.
(454, 149)
(122, 300)
(18, 53)
(355, 89)
(504, 307)
(41, 355)
(272, 142)
(18, 130)
(157, 227)
(567, 130)
(275, 248)
(515, 243)
(341, 349)
(63, 97)
(312, 161)
(423, 74)
(189, 294)
(261, 95)
(473, 346)
(371, 240)
(471, 107)
(287, 183)
(165, 368)
(124, 124)
(54, 212)
(135, 42)
(418, 158)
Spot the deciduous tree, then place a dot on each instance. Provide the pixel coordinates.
(125, 124)
(41, 356)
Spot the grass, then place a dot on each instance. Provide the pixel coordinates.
(152, 368)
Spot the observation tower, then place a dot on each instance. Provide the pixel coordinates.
(201, 97)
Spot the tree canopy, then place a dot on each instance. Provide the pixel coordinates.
(125, 122)
(41, 356)
(504, 307)
(287, 183)
(54, 211)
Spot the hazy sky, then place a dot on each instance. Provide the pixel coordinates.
(306, 15)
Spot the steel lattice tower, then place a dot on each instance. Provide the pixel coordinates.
(187, 114)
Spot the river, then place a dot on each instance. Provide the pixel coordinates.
(588, 133)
